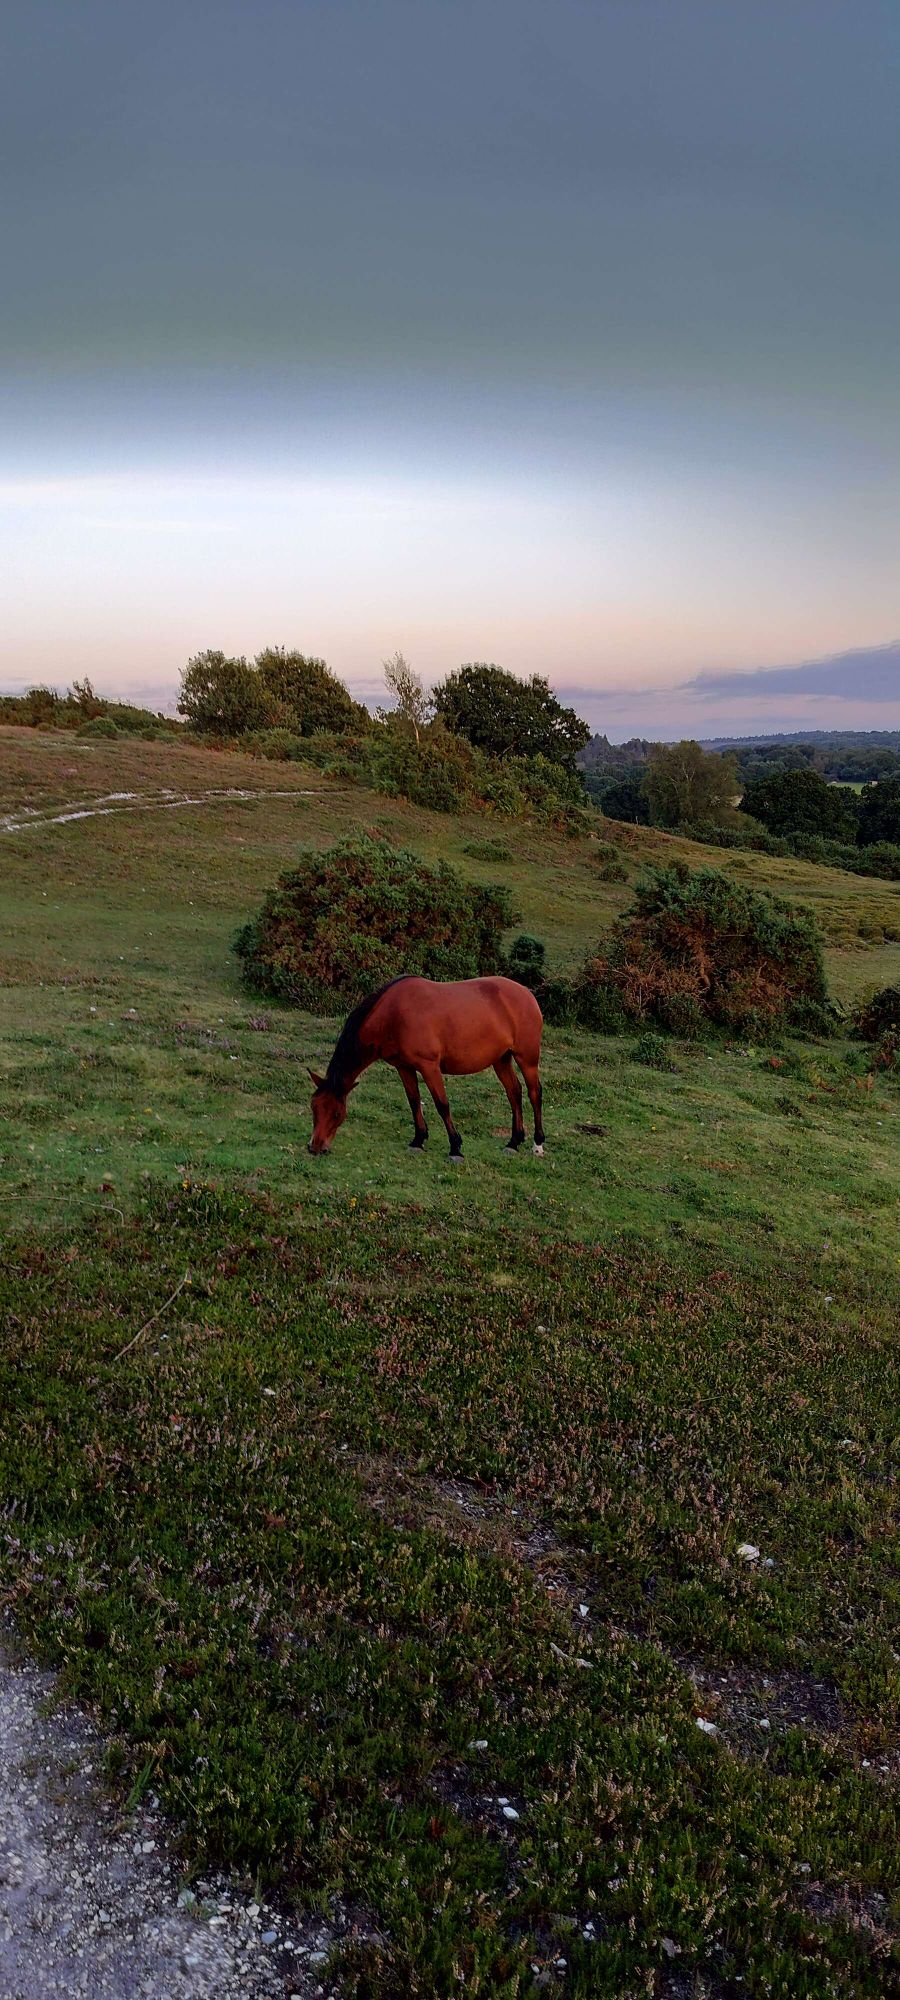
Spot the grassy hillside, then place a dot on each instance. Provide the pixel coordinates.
(401, 1549)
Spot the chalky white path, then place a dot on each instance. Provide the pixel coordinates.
(27, 817)
(89, 1898)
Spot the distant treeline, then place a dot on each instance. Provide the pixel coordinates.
(851, 757)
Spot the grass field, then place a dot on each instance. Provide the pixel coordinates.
(417, 1460)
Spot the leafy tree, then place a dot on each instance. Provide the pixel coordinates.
(344, 922)
(622, 798)
(221, 696)
(506, 716)
(790, 802)
(412, 704)
(879, 812)
(304, 695)
(684, 783)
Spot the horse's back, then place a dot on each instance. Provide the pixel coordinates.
(464, 1024)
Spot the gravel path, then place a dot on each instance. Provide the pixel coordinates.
(91, 1902)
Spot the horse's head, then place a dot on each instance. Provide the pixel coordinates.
(329, 1111)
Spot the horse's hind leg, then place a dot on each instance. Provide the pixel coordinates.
(532, 1077)
(504, 1069)
(410, 1084)
(433, 1076)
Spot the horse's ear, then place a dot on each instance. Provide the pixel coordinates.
(317, 1080)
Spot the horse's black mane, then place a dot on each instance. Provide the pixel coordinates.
(347, 1050)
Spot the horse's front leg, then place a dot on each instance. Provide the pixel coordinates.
(410, 1084)
(433, 1076)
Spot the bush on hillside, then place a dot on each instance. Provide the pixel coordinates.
(698, 948)
(609, 864)
(344, 922)
(488, 850)
(878, 1015)
(99, 725)
(525, 960)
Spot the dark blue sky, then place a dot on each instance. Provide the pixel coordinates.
(563, 334)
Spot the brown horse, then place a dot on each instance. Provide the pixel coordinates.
(427, 1028)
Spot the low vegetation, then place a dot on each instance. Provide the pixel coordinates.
(406, 1550)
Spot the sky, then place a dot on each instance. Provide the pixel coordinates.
(559, 333)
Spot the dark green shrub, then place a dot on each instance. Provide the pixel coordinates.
(278, 746)
(488, 850)
(878, 1014)
(346, 921)
(525, 960)
(652, 1050)
(598, 1007)
(609, 864)
(880, 859)
(557, 1001)
(745, 834)
(100, 725)
(698, 946)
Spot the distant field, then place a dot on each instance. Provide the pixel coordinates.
(329, 1525)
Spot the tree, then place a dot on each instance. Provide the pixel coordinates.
(222, 696)
(621, 798)
(506, 716)
(801, 802)
(85, 699)
(879, 812)
(413, 705)
(684, 784)
(304, 695)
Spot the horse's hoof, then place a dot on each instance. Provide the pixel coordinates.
(538, 1151)
(456, 1159)
(511, 1149)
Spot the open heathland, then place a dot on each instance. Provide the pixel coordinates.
(509, 1551)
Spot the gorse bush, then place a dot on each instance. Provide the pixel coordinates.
(525, 960)
(878, 1014)
(344, 922)
(698, 948)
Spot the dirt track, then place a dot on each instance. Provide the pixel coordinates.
(91, 1902)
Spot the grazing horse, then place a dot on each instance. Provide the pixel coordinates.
(431, 1028)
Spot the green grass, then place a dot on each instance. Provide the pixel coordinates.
(329, 1522)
